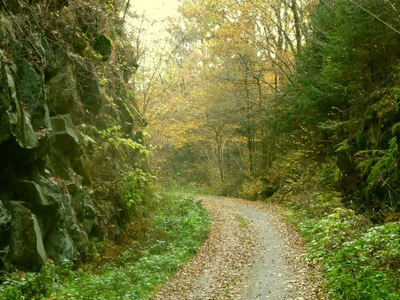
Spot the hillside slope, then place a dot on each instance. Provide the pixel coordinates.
(70, 135)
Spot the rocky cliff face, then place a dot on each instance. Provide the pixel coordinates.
(69, 129)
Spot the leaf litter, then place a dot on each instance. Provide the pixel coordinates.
(251, 253)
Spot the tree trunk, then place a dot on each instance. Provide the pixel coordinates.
(297, 24)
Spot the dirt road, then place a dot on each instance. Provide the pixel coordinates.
(251, 253)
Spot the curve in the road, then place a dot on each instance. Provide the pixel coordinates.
(244, 258)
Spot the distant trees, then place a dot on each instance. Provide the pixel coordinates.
(234, 58)
(255, 79)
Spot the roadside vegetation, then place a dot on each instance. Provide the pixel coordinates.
(360, 259)
(164, 242)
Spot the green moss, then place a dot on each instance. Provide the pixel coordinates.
(103, 46)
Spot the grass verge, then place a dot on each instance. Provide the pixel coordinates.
(176, 231)
(360, 261)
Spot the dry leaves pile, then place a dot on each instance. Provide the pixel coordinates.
(251, 253)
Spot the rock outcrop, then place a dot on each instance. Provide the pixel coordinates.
(65, 107)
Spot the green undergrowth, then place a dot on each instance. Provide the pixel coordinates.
(176, 230)
(360, 259)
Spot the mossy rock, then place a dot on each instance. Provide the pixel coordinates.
(103, 46)
(79, 43)
(29, 85)
(64, 135)
(13, 119)
(26, 241)
(126, 118)
(89, 91)
(30, 92)
(5, 222)
(61, 92)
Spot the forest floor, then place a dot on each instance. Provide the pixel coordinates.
(251, 253)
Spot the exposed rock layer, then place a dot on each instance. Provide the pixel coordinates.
(63, 85)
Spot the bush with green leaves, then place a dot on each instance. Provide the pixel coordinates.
(360, 261)
(329, 233)
(367, 268)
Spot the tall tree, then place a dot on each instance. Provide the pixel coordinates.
(345, 89)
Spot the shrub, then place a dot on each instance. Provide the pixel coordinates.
(360, 261)
(367, 267)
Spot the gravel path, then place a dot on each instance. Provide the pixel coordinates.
(251, 253)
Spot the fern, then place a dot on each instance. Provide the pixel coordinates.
(379, 164)
(343, 146)
(86, 140)
(374, 152)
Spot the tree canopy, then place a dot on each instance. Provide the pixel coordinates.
(252, 80)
